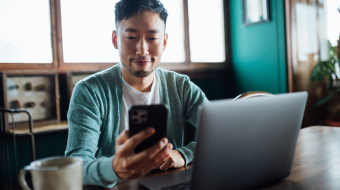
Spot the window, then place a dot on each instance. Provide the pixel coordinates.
(206, 26)
(25, 35)
(76, 34)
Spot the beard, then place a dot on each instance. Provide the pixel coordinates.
(143, 73)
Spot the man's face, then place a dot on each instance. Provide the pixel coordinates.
(140, 41)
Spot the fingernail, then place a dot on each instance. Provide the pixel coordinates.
(149, 131)
(170, 146)
(164, 141)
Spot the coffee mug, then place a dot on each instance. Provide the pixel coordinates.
(54, 173)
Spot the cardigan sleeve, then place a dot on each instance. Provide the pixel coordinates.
(85, 121)
(193, 97)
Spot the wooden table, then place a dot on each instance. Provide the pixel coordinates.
(316, 164)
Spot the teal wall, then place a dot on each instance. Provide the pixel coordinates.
(258, 51)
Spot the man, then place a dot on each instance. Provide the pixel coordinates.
(98, 112)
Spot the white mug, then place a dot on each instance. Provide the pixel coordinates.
(54, 173)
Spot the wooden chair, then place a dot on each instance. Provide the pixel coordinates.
(252, 94)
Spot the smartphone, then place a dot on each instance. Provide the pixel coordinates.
(144, 116)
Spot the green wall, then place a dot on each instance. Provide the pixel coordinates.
(258, 51)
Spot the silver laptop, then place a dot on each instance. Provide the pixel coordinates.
(241, 144)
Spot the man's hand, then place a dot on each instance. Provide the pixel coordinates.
(176, 160)
(128, 165)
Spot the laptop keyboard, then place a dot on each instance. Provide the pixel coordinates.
(180, 186)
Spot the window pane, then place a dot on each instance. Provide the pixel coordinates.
(25, 34)
(206, 27)
(175, 50)
(87, 27)
(333, 17)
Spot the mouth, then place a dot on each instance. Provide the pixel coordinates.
(141, 62)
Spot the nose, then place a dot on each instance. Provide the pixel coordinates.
(142, 48)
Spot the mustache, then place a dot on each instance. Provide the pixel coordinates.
(142, 59)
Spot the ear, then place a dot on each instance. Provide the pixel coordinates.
(165, 41)
(114, 39)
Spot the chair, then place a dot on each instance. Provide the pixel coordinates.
(252, 94)
(4, 132)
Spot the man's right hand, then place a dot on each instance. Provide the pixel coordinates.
(128, 165)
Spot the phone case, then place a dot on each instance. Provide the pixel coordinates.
(144, 116)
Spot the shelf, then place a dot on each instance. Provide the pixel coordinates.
(62, 126)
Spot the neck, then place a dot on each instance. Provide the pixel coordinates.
(142, 84)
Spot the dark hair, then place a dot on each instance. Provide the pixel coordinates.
(126, 9)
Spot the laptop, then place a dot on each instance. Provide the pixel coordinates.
(242, 144)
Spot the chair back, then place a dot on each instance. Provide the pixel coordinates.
(252, 94)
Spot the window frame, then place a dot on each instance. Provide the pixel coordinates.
(186, 67)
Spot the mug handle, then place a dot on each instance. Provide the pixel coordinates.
(22, 180)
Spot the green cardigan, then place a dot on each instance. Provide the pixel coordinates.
(94, 119)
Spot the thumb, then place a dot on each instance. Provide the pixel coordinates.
(123, 137)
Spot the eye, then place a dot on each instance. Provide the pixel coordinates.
(153, 39)
(130, 38)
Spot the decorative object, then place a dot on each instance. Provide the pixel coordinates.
(29, 105)
(15, 104)
(28, 86)
(43, 104)
(13, 87)
(255, 11)
(36, 91)
(40, 87)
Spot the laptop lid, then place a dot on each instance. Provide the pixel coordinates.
(247, 143)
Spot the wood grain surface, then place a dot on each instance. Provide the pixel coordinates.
(316, 164)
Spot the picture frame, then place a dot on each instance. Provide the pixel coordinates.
(255, 12)
(36, 91)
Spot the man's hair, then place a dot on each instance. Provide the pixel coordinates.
(126, 9)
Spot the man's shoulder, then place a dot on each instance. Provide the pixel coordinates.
(109, 75)
(171, 75)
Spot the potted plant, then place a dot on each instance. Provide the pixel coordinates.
(325, 71)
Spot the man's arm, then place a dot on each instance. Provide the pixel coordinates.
(193, 96)
(84, 120)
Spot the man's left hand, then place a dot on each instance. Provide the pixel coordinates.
(176, 160)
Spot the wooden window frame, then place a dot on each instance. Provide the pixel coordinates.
(187, 67)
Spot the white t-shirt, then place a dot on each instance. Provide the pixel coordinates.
(131, 97)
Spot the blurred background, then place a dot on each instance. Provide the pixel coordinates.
(226, 47)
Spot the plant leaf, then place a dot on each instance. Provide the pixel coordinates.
(323, 100)
(316, 75)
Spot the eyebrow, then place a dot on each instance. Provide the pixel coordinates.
(134, 30)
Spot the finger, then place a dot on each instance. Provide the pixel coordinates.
(157, 161)
(159, 165)
(146, 164)
(141, 168)
(133, 142)
(123, 137)
(166, 165)
(154, 151)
